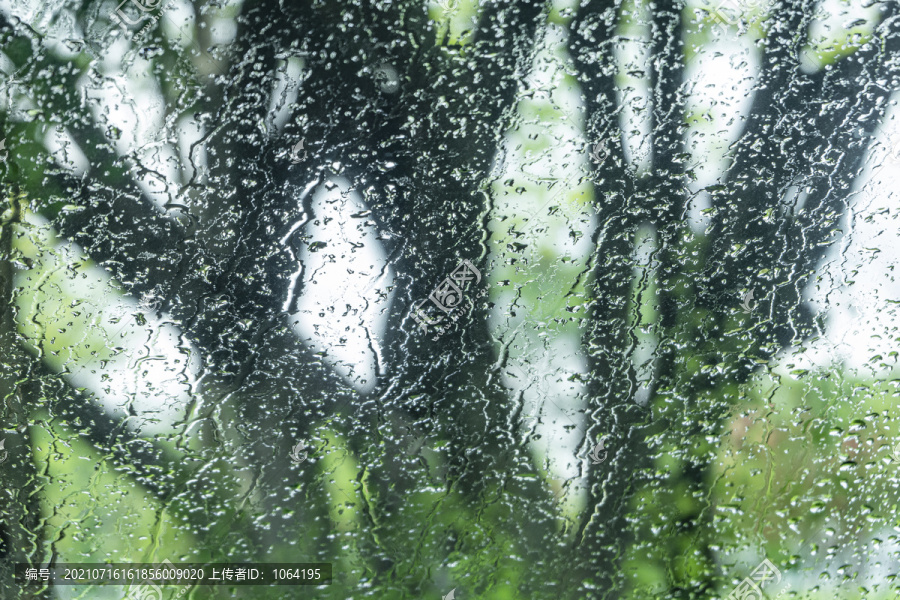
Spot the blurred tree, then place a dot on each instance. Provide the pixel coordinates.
(413, 112)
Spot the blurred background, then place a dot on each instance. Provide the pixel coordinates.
(227, 235)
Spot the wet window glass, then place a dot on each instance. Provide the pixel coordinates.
(449, 299)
